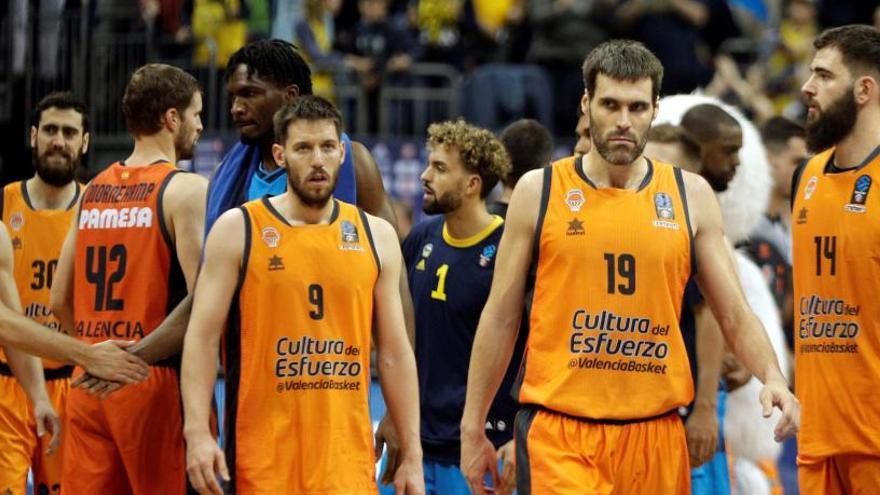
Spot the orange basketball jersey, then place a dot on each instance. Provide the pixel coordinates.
(126, 276)
(297, 355)
(37, 237)
(836, 242)
(611, 268)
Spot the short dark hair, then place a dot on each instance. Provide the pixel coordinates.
(529, 145)
(308, 107)
(778, 130)
(673, 134)
(275, 60)
(624, 60)
(479, 150)
(859, 45)
(152, 90)
(704, 122)
(62, 100)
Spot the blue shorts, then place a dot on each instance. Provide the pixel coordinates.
(712, 478)
(440, 479)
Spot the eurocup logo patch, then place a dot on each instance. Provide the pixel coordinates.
(16, 221)
(810, 187)
(663, 205)
(487, 254)
(271, 236)
(859, 195)
(427, 250)
(574, 199)
(349, 232)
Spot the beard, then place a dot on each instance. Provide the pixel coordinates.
(310, 197)
(55, 174)
(184, 144)
(833, 124)
(617, 154)
(445, 203)
(717, 182)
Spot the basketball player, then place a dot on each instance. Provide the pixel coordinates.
(450, 259)
(130, 259)
(39, 212)
(530, 146)
(301, 277)
(837, 267)
(605, 367)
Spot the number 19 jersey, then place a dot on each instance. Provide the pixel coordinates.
(836, 247)
(611, 269)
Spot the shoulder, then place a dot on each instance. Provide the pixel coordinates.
(380, 228)
(230, 225)
(697, 189)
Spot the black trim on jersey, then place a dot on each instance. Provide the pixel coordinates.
(370, 238)
(831, 168)
(48, 373)
(679, 180)
(232, 372)
(602, 421)
(246, 254)
(522, 424)
(25, 196)
(578, 166)
(160, 209)
(265, 199)
(796, 181)
(533, 271)
(75, 196)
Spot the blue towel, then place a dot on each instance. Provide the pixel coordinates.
(231, 180)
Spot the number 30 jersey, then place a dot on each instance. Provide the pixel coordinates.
(836, 244)
(611, 266)
(126, 276)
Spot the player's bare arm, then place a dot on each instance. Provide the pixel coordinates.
(213, 295)
(718, 280)
(26, 368)
(499, 324)
(395, 358)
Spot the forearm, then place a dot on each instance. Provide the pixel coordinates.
(198, 376)
(29, 372)
(490, 356)
(167, 339)
(749, 342)
(397, 375)
(26, 335)
(409, 314)
(710, 355)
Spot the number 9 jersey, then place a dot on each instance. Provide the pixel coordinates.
(127, 278)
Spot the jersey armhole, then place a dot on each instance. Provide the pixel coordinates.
(542, 212)
(246, 253)
(160, 209)
(370, 238)
(796, 182)
(682, 193)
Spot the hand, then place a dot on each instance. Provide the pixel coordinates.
(108, 360)
(776, 394)
(507, 456)
(702, 434)
(386, 435)
(478, 457)
(47, 420)
(204, 462)
(95, 386)
(409, 478)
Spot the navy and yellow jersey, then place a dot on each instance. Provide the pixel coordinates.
(450, 280)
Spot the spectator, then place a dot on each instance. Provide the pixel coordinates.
(530, 146)
(787, 67)
(218, 28)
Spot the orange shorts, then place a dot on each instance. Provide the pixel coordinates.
(564, 455)
(129, 443)
(844, 474)
(20, 448)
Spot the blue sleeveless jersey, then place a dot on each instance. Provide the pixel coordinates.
(450, 281)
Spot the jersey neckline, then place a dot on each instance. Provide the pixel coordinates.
(27, 198)
(579, 168)
(277, 214)
(474, 239)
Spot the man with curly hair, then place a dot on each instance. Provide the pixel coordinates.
(450, 260)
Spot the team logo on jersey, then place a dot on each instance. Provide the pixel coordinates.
(420, 266)
(350, 237)
(574, 199)
(859, 195)
(802, 216)
(276, 263)
(16, 221)
(575, 227)
(487, 255)
(427, 250)
(663, 205)
(810, 188)
(271, 236)
(125, 175)
(16, 243)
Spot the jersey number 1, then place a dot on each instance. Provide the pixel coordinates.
(440, 292)
(97, 259)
